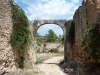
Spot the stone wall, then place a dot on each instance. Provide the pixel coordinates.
(7, 57)
(83, 16)
(30, 56)
(92, 9)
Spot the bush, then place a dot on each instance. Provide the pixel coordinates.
(51, 36)
(38, 43)
(54, 50)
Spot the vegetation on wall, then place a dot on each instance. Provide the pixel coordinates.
(70, 32)
(91, 41)
(20, 33)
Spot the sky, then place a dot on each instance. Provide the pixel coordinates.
(49, 9)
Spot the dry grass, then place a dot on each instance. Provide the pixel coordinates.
(40, 57)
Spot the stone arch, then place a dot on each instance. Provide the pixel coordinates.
(62, 23)
(38, 23)
(50, 24)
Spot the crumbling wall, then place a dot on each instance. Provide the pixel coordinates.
(30, 55)
(7, 58)
(82, 17)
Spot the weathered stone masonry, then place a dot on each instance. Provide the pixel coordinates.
(83, 16)
(7, 58)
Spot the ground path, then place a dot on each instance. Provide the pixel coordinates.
(50, 67)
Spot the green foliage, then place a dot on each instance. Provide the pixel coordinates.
(38, 43)
(54, 50)
(20, 33)
(91, 41)
(51, 36)
(71, 32)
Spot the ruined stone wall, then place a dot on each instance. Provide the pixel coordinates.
(92, 9)
(30, 55)
(83, 16)
(7, 58)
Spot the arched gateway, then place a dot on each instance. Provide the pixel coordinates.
(61, 23)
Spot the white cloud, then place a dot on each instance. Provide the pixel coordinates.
(49, 9)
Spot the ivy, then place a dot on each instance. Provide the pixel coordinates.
(20, 33)
(70, 32)
(91, 41)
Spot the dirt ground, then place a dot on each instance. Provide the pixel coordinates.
(50, 67)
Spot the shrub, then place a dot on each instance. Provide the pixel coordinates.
(54, 50)
(38, 43)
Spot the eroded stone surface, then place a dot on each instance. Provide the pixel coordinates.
(83, 16)
(6, 51)
(38, 23)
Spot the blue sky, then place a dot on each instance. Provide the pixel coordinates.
(49, 9)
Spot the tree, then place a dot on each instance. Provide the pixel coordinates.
(51, 36)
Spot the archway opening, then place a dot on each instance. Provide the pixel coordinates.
(52, 47)
(46, 31)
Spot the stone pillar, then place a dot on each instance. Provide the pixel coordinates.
(65, 45)
(30, 55)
